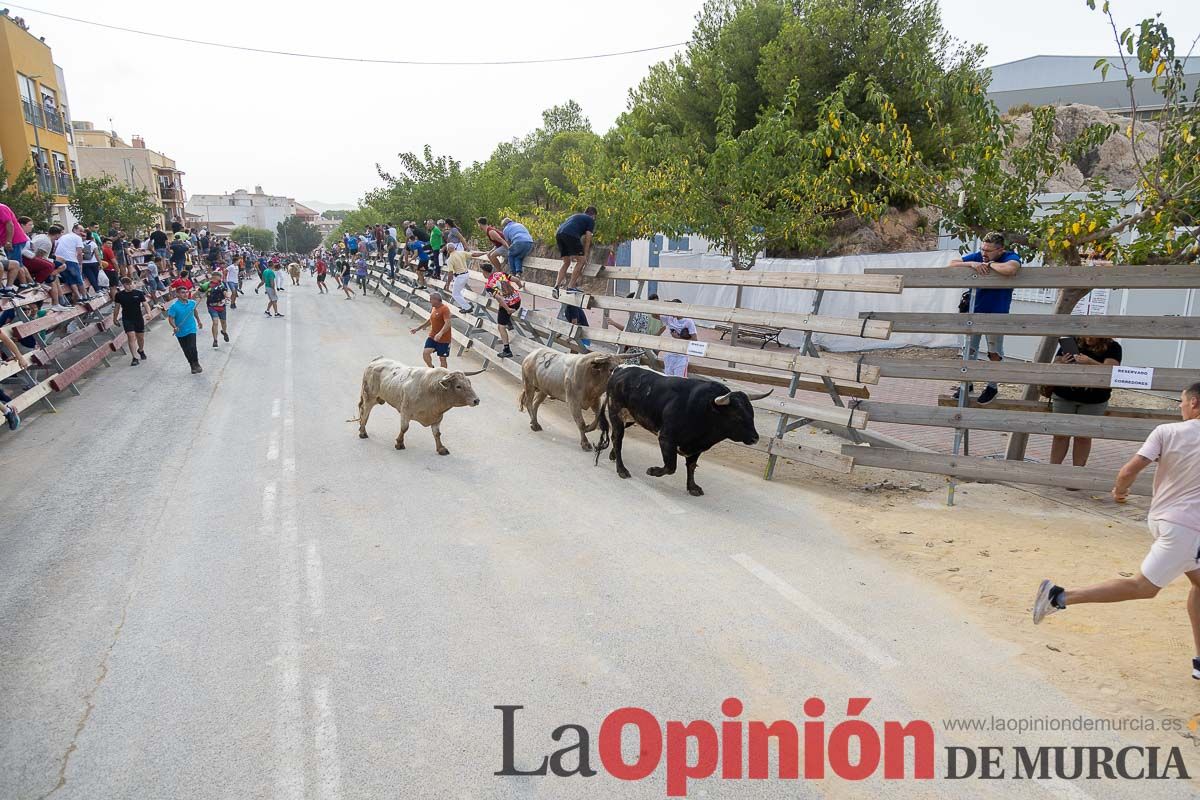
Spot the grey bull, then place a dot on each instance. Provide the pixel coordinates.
(577, 380)
(423, 394)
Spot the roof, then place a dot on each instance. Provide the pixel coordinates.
(304, 211)
(1051, 70)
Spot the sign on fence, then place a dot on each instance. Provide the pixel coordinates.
(697, 348)
(1132, 377)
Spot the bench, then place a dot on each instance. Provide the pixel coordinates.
(755, 333)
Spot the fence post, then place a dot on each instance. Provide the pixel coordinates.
(959, 433)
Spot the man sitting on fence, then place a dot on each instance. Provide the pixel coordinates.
(990, 259)
(1174, 522)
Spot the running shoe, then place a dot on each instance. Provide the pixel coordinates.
(13, 418)
(1044, 602)
(1196, 668)
(134, 363)
(987, 395)
(225, 335)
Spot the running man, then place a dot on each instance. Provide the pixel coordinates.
(361, 273)
(268, 279)
(423, 251)
(322, 271)
(1174, 522)
(130, 307)
(504, 289)
(345, 278)
(438, 323)
(218, 291)
(231, 280)
(574, 240)
(184, 317)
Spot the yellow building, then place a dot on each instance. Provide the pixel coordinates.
(103, 153)
(41, 131)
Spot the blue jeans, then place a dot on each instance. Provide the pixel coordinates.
(516, 256)
(14, 252)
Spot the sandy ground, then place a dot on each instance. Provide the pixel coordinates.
(992, 549)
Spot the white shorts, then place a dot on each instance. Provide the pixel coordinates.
(675, 364)
(1176, 550)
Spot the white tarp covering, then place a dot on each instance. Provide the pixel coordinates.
(834, 304)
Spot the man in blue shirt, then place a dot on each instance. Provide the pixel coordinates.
(990, 259)
(423, 251)
(520, 243)
(185, 321)
(574, 240)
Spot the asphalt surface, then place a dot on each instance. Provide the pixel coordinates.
(210, 587)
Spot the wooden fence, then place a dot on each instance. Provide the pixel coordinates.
(842, 377)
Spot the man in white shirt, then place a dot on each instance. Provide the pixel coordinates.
(68, 250)
(680, 328)
(1174, 521)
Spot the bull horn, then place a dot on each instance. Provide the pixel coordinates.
(723, 400)
(474, 372)
(758, 395)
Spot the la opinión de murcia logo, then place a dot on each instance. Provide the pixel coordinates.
(853, 750)
(739, 750)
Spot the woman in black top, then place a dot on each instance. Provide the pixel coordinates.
(1097, 351)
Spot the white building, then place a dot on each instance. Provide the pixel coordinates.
(256, 209)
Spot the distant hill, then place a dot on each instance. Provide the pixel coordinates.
(321, 208)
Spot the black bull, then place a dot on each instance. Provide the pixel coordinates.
(688, 415)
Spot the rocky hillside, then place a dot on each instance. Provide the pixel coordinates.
(916, 228)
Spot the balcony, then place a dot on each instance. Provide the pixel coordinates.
(65, 184)
(46, 182)
(168, 193)
(42, 117)
(33, 113)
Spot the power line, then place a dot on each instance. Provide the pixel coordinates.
(320, 57)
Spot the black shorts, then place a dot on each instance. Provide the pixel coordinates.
(504, 315)
(441, 348)
(133, 325)
(568, 245)
(320, 277)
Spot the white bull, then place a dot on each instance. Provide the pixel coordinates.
(423, 394)
(578, 380)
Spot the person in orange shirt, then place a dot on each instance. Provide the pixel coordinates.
(438, 323)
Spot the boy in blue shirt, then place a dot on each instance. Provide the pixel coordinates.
(990, 259)
(185, 321)
(423, 251)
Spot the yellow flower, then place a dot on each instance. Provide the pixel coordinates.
(1092, 226)
(828, 151)
(1075, 228)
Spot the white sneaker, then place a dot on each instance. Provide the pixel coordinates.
(1042, 607)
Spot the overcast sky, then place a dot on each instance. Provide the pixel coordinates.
(314, 130)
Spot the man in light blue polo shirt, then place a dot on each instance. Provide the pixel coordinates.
(520, 243)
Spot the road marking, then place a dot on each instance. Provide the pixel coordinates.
(313, 580)
(325, 740)
(275, 407)
(270, 492)
(658, 497)
(822, 617)
(273, 446)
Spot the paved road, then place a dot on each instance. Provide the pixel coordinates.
(211, 588)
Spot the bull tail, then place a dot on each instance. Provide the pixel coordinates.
(602, 422)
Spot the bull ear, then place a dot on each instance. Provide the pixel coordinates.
(473, 372)
(723, 400)
(602, 362)
(447, 382)
(758, 395)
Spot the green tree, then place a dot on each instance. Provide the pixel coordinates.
(336, 213)
(982, 182)
(22, 194)
(364, 216)
(258, 238)
(297, 236)
(104, 200)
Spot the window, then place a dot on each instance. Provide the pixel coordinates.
(682, 243)
(27, 89)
